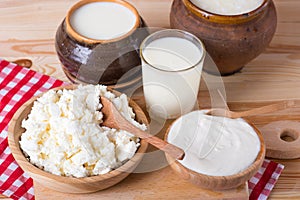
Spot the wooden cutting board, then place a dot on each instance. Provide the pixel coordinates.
(162, 183)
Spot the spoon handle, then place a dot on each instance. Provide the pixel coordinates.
(114, 119)
(256, 111)
(170, 149)
(23, 62)
(266, 109)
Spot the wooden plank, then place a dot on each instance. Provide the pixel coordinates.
(153, 179)
(161, 184)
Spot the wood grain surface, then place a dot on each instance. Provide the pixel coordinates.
(27, 30)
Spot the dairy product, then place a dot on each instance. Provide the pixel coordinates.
(172, 53)
(63, 135)
(228, 7)
(231, 144)
(103, 20)
(172, 69)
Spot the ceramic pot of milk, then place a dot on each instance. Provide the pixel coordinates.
(98, 42)
(234, 32)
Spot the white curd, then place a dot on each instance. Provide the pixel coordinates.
(63, 135)
(230, 145)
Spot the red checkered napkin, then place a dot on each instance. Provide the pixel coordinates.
(262, 183)
(17, 85)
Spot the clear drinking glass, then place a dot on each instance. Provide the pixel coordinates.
(172, 62)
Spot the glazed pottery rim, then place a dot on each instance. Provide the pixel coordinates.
(88, 40)
(132, 80)
(143, 46)
(225, 19)
(259, 158)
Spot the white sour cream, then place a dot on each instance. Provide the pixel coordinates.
(230, 145)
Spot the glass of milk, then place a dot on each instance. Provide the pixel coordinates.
(172, 62)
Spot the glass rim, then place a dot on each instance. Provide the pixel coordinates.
(200, 43)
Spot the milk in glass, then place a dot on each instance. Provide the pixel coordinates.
(171, 74)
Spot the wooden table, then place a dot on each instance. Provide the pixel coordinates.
(27, 30)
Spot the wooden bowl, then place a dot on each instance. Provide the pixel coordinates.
(70, 184)
(231, 40)
(219, 182)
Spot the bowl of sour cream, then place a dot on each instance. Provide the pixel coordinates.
(220, 153)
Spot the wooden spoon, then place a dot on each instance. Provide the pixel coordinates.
(23, 62)
(256, 111)
(114, 119)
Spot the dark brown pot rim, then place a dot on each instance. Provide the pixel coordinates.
(87, 40)
(225, 19)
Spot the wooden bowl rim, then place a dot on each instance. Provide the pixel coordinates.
(31, 168)
(244, 173)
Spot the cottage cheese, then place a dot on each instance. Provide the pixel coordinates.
(63, 135)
